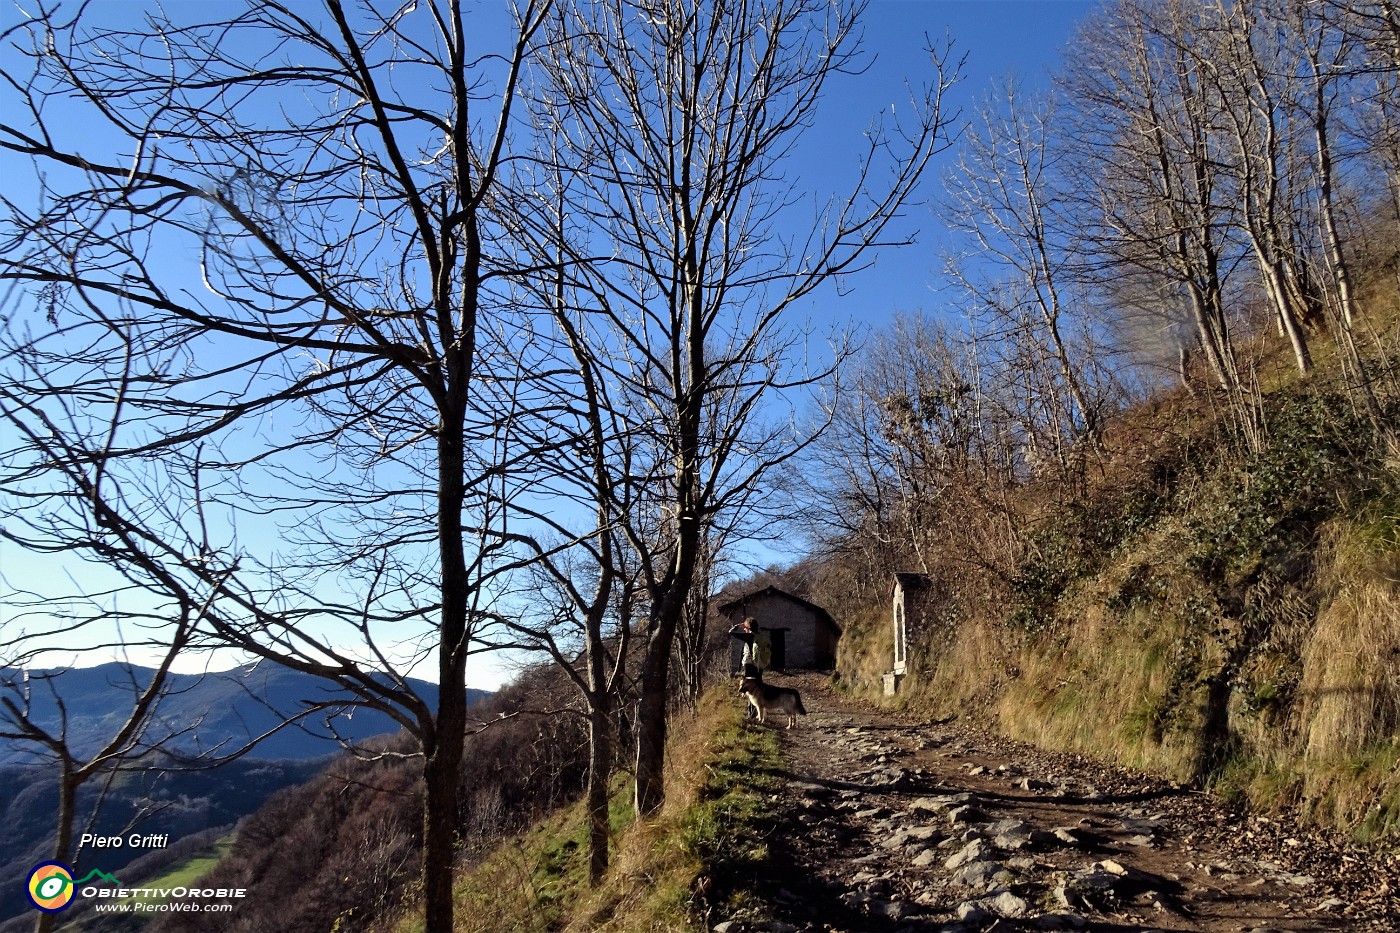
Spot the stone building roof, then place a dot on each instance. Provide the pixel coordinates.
(910, 581)
(729, 608)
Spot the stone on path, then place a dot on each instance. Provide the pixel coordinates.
(971, 912)
(966, 814)
(978, 874)
(975, 851)
(929, 805)
(1011, 834)
(1008, 905)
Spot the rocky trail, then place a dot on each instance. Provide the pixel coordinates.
(890, 823)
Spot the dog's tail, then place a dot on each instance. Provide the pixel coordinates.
(800, 708)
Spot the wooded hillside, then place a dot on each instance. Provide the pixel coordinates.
(1150, 467)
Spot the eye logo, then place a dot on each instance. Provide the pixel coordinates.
(50, 886)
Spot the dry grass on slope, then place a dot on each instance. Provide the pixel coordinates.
(1214, 615)
(667, 872)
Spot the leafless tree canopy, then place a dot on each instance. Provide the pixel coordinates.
(687, 243)
(303, 430)
(432, 280)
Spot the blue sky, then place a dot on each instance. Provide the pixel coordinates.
(998, 37)
(1001, 38)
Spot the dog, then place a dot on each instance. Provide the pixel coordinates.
(763, 697)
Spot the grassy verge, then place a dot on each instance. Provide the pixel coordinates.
(185, 874)
(696, 858)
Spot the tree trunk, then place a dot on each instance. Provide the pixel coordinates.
(63, 843)
(1213, 338)
(651, 718)
(656, 668)
(443, 764)
(600, 763)
(1331, 235)
(1287, 307)
(1339, 269)
(441, 772)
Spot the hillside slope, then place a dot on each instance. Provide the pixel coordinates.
(175, 804)
(215, 711)
(343, 848)
(1224, 618)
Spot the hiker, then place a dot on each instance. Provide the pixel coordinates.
(744, 631)
(758, 652)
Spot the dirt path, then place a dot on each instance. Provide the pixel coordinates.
(888, 823)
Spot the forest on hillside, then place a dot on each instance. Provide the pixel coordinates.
(487, 349)
(1207, 199)
(1149, 466)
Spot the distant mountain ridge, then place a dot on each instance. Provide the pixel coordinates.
(223, 710)
(229, 708)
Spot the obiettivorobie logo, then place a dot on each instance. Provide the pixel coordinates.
(51, 885)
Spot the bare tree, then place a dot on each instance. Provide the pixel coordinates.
(1327, 53)
(580, 613)
(323, 474)
(1244, 58)
(922, 454)
(137, 609)
(677, 118)
(584, 581)
(34, 714)
(1373, 27)
(1217, 126)
(1019, 276)
(1143, 120)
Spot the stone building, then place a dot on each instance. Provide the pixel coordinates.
(909, 593)
(803, 635)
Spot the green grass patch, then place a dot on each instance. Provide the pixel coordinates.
(1144, 723)
(1360, 793)
(187, 873)
(1247, 779)
(724, 828)
(707, 847)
